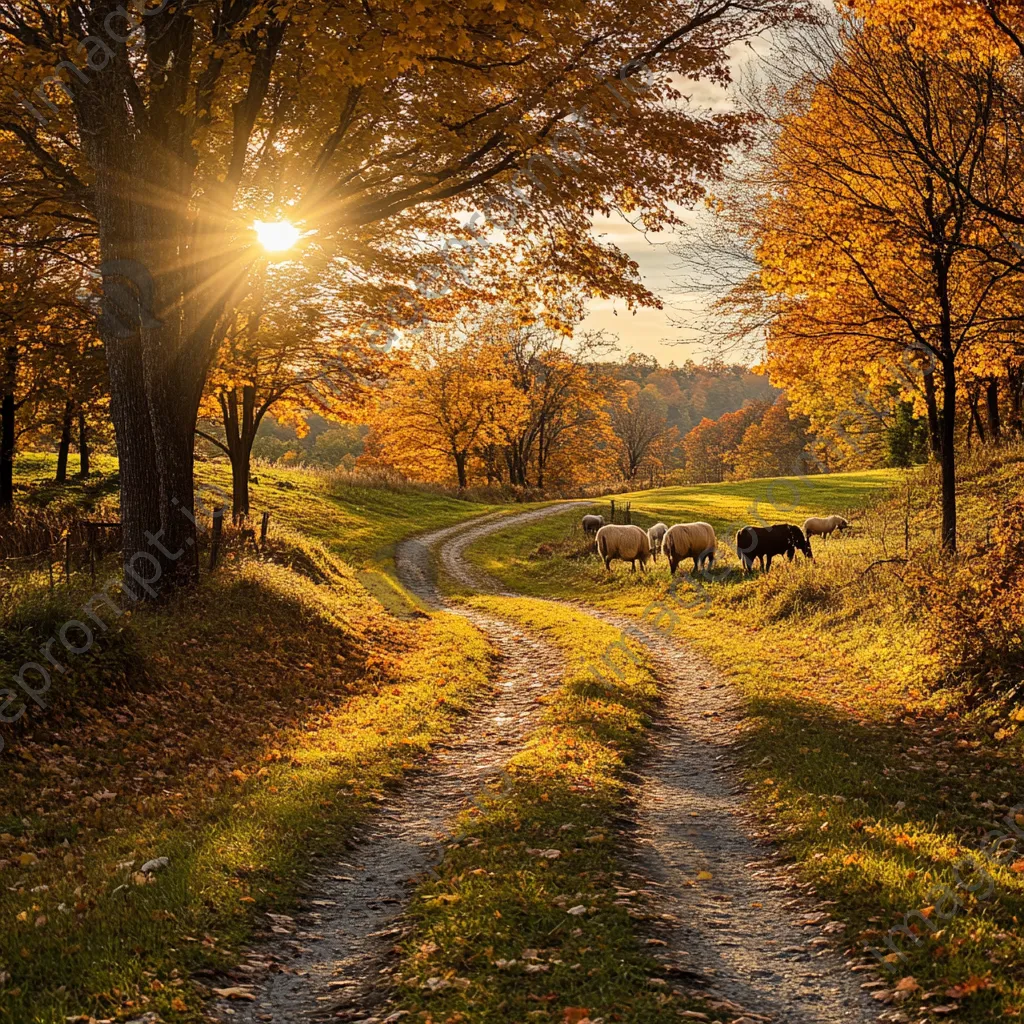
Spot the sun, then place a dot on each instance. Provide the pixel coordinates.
(276, 236)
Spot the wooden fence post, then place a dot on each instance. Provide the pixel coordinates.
(91, 532)
(613, 510)
(218, 529)
(263, 528)
(629, 512)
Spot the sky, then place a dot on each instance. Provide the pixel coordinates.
(655, 332)
(672, 333)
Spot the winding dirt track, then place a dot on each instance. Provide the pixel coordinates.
(743, 932)
(743, 936)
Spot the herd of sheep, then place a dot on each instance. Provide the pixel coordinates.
(698, 541)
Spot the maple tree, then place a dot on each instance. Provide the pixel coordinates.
(560, 407)
(290, 351)
(446, 401)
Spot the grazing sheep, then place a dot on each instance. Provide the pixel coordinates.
(825, 526)
(656, 535)
(628, 543)
(690, 540)
(763, 543)
(591, 524)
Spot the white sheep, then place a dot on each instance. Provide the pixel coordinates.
(591, 524)
(656, 534)
(690, 540)
(627, 543)
(824, 526)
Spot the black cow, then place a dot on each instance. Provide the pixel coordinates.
(765, 542)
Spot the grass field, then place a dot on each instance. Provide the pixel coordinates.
(884, 788)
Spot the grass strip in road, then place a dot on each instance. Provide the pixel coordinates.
(531, 914)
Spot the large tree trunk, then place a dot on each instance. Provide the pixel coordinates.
(167, 275)
(948, 454)
(7, 429)
(934, 427)
(136, 449)
(158, 352)
(995, 427)
(460, 468)
(174, 410)
(83, 445)
(64, 445)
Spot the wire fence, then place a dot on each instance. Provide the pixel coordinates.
(62, 551)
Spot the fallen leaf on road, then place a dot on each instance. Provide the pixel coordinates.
(234, 993)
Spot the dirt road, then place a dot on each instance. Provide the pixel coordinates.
(745, 936)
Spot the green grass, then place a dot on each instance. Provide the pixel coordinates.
(239, 730)
(877, 781)
(496, 925)
(760, 502)
(360, 523)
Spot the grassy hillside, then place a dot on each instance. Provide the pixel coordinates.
(361, 524)
(861, 751)
(238, 730)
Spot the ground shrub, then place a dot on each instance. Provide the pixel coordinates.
(975, 605)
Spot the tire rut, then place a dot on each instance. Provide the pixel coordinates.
(332, 957)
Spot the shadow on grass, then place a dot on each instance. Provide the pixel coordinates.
(910, 830)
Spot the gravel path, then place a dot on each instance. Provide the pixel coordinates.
(743, 936)
(417, 557)
(746, 930)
